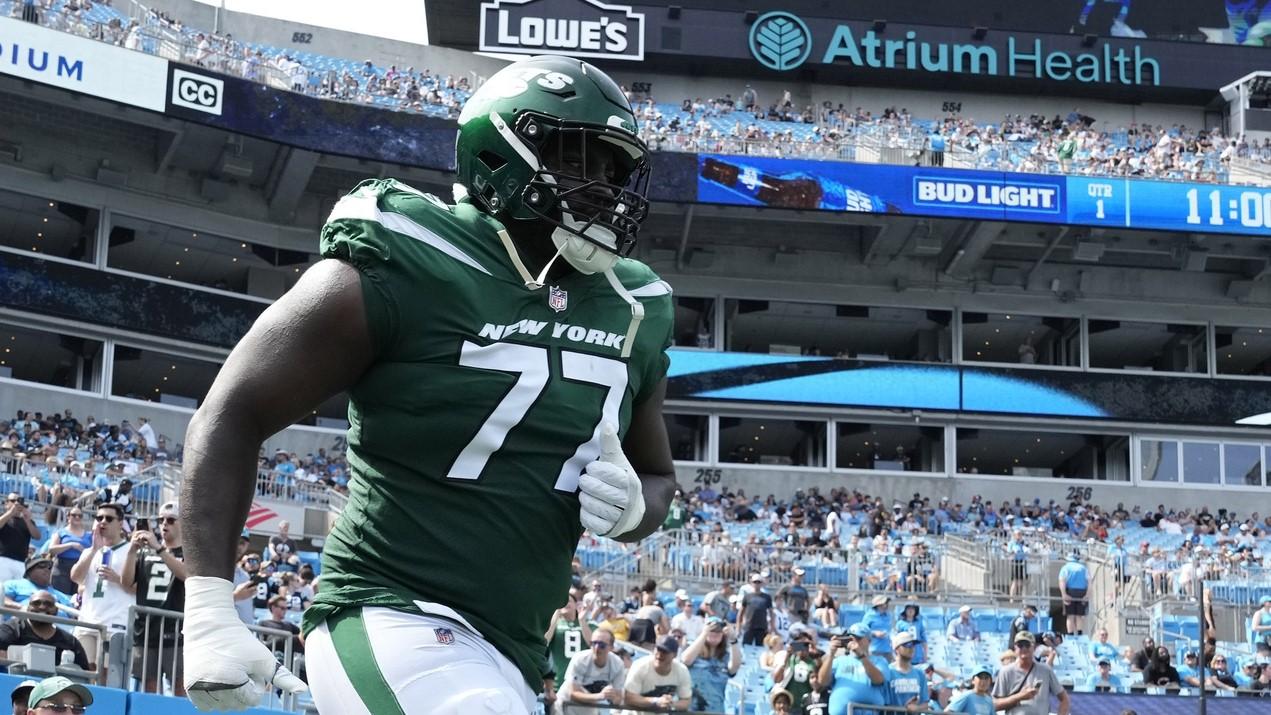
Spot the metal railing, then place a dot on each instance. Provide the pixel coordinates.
(74, 672)
(156, 653)
(272, 484)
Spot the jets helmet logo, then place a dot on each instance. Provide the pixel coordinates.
(557, 299)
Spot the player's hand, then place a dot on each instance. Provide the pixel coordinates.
(226, 668)
(610, 493)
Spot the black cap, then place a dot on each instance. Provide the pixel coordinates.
(669, 644)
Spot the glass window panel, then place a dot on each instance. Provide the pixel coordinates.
(47, 226)
(1021, 339)
(161, 377)
(1043, 454)
(688, 435)
(1163, 347)
(849, 331)
(1200, 463)
(50, 358)
(1243, 351)
(777, 442)
(694, 322)
(1242, 464)
(902, 448)
(1158, 460)
(203, 259)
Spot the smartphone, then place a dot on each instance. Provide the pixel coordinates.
(800, 647)
(143, 524)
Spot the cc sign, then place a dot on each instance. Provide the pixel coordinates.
(196, 91)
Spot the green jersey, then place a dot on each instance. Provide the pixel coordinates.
(469, 432)
(674, 515)
(567, 641)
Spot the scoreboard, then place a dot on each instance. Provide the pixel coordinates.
(989, 195)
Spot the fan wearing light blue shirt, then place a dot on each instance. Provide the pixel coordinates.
(906, 685)
(1104, 679)
(1101, 649)
(979, 700)
(878, 620)
(962, 628)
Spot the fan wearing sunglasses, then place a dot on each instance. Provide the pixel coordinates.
(59, 695)
(24, 631)
(100, 570)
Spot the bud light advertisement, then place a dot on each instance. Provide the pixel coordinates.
(983, 195)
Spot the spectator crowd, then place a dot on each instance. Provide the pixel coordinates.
(1074, 143)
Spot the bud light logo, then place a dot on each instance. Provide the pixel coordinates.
(780, 41)
(197, 92)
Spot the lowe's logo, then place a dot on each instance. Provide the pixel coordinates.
(576, 28)
(780, 41)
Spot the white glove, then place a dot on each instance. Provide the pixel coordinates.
(226, 667)
(611, 496)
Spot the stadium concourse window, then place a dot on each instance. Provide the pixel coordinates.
(886, 447)
(202, 259)
(155, 376)
(1162, 347)
(47, 226)
(772, 441)
(50, 358)
(1021, 339)
(1063, 455)
(1243, 351)
(1190, 462)
(845, 331)
(694, 322)
(689, 436)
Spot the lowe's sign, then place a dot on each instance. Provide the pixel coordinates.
(577, 28)
(782, 41)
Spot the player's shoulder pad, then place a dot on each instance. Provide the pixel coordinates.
(640, 280)
(369, 199)
(381, 218)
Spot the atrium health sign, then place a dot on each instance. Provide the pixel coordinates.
(782, 41)
(577, 28)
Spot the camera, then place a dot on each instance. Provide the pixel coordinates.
(799, 646)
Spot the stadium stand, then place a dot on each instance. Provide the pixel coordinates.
(1072, 144)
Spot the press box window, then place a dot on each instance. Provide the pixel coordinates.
(1047, 455)
(1021, 339)
(776, 442)
(1162, 347)
(888, 447)
(47, 227)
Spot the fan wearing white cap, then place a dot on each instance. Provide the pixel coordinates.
(689, 620)
(879, 622)
(962, 627)
(906, 685)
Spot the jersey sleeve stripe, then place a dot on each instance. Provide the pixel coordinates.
(651, 290)
(366, 208)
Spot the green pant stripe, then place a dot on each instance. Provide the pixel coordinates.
(353, 646)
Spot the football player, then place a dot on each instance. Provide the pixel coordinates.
(505, 365)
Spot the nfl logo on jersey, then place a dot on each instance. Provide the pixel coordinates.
(444, 636)
(557, 299)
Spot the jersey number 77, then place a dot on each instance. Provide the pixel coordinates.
(532, 367)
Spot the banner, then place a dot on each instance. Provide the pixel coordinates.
(97, 69)
(787, 379)
(987, 195)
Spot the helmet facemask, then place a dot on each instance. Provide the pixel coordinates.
(590, 186)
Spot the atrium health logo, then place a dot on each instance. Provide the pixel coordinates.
(780, 41)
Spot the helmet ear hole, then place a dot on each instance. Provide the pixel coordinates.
(492, 161)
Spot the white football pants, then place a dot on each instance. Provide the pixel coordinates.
(378, 661)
